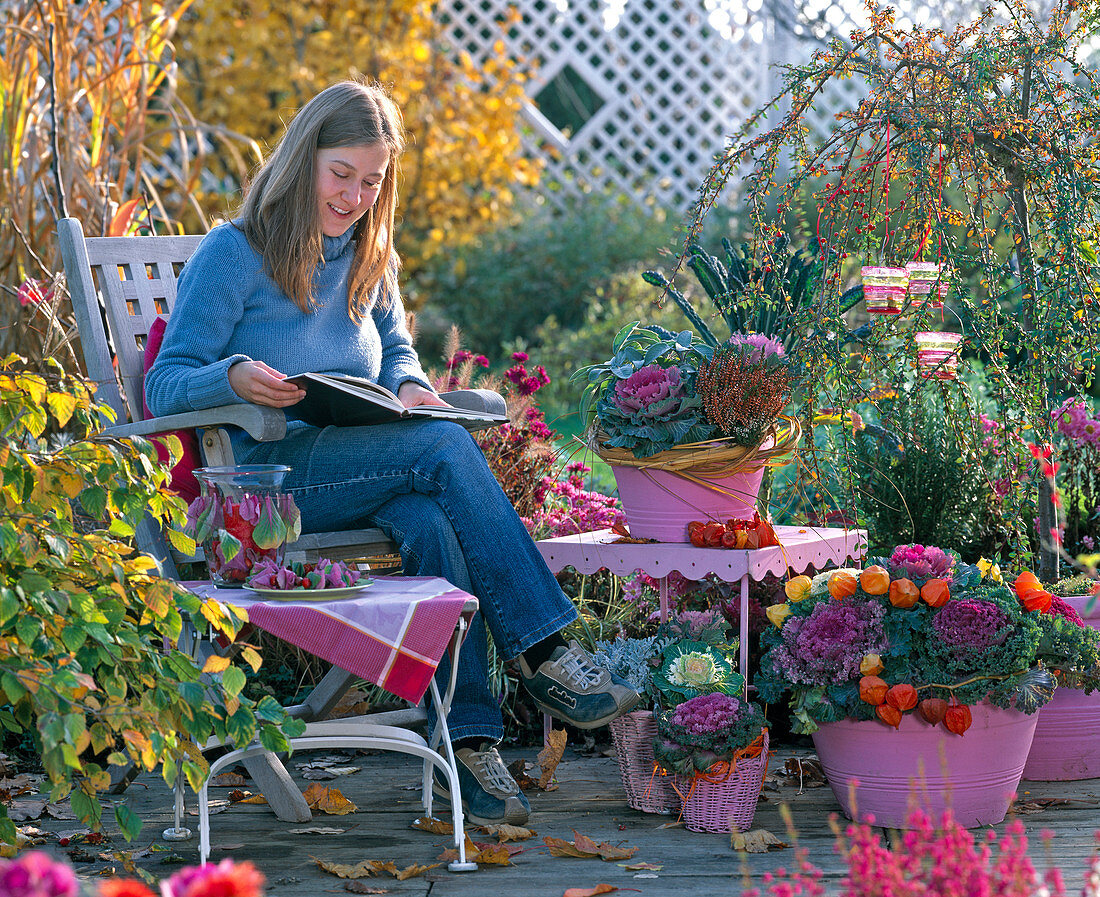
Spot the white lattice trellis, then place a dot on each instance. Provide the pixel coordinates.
(672, 80)
(671, 87)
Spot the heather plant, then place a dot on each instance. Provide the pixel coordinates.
(745, 386)
(89, 669)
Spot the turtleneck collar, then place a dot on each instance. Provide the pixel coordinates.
(333, 247)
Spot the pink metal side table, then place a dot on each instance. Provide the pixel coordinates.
(800, 548)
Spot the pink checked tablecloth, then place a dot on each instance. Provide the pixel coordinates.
(393, 633)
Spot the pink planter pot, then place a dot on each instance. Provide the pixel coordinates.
(660, 505)
(975, 775)
(1067, 736)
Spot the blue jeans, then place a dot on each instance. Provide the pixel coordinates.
(426, 484)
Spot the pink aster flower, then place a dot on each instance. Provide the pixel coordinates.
(520, 356)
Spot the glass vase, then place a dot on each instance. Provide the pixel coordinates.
(242, 518)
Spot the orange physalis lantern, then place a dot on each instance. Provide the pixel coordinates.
(904, 593)
(935, 593)
(875, 580)
(842, 585)
(889, 715)
(1031, 593)
(873, 690)
(902, 696)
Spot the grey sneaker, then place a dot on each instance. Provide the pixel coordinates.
(570, 687)
(490, 796)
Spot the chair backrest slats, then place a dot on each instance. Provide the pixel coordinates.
(128, 282)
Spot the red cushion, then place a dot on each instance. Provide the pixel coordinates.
(182, 481)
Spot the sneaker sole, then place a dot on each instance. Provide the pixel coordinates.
(519, 818)
(593, 724)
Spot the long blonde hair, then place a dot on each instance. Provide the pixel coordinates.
(280, 214)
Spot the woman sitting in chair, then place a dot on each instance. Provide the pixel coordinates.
(305, 279)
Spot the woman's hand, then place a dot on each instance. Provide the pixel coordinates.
(255, 382)
(412, 394)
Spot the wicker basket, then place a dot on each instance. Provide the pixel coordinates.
(724, 798)
(647, 788)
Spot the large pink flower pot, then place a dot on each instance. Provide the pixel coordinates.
(1067, 736)
(659, 504)
(975, 774)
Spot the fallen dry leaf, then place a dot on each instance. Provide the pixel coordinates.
(676, 823)
(352, 703)
(361, 887)
(22, 810)
(318, 830)
(483, 854)
(220, 806)
(433, 825)
(518, 769)
(414, 871)
(254, 799)
(639, 867)
(505, 832)
(238, 794)
(583, 847)
(328, 800)
(228, 780)
(759, 840)
(344, 870)
(61, 811)
(590, 892)
(550, 756)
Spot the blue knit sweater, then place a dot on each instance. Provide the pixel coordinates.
(228, 310)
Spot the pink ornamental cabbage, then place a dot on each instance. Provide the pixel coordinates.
(921, 563)
(652, 391)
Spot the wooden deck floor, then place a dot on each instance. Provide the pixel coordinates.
(589, 799)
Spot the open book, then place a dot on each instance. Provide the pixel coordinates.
(344, 401)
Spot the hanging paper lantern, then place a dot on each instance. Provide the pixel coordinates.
(938, 354)
(884, 289)
(928, 284)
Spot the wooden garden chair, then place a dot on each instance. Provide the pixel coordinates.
(119, 286)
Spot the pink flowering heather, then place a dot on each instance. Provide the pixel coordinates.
(921, 563)
(942, 859)
(36, 874)
(828, 645)
(971, 625)
(651, 391)
(758, 345)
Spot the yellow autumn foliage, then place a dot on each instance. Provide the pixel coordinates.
(249, 64)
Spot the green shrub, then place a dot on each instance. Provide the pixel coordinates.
(507, 283)
(926, 492)
(84, 618)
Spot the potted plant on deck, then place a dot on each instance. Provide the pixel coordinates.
(688, 427)
(918, 678)
(1066, 745)
(688, 655)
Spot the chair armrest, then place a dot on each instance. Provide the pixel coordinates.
(262, 423)
(476, 400)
